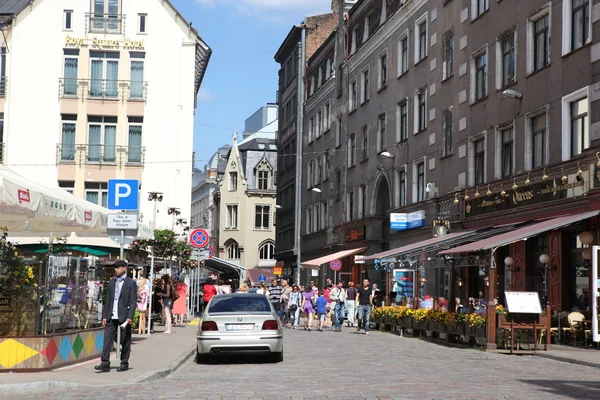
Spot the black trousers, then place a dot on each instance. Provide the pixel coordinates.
(110, 333)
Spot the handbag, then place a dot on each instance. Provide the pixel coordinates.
(293, 307)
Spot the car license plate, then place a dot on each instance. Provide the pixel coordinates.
(239, 327)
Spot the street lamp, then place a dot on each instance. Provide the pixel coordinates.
(512, 94)
(316, 190)
(155, 197)
(174, 211)
(386, 154)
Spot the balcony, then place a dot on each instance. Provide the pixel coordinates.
(104, 23)
(102, 89)
(90, 154)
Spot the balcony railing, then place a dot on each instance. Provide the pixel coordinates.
(70, 153)
(105, 23)
(2, 153)
(102, 89)
(3, 86)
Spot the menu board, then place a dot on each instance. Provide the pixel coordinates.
(404, 282)
(523, 302)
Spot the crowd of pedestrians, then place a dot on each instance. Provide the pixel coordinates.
(326, 308)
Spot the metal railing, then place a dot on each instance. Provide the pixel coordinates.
(102, 89)
(70, 153)
(3, 86)
(105, 23)
(2, 153)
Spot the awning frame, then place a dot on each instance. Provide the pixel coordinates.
(237, 268)
(317, 262)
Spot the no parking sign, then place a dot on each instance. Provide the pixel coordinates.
(335, 265)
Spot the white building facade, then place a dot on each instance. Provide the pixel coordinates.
(103, 89)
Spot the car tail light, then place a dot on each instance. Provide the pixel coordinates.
(270, 325)
(209, 326)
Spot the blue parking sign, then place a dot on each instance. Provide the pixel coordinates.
(123, 194)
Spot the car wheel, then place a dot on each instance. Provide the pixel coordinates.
(277, 357)
(201, 358)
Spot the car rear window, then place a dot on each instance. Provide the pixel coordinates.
(237, 303)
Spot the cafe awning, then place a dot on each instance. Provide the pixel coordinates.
(317, 262)
(431, 243)
(520, 234)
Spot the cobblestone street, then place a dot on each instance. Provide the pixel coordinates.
(350, 366)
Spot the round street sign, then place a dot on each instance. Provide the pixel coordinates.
(199, 238)
(335, 265)
(211, 252)
(262, 278)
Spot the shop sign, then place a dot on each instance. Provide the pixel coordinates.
(538, 193)
(402, 221)
(355, 234)
(104, 44)
(58, 205)
(5, 304)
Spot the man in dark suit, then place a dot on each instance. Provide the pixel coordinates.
(119, 308)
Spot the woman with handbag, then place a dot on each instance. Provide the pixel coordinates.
(294, 306)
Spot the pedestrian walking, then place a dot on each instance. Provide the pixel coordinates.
(209, 291)
(338, 298)
(180, 305)
(307, 307)
(321, 310)
(364, 299)
(275, 297)
(243, 288)
(351, 303)
(119, 309)
(262, 289)
(285, 300)
(169, 296)
(294, 306)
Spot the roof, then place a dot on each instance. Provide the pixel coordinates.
(13, 7)
(294, 34)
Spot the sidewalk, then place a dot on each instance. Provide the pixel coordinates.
(151, 358)
(574, 355)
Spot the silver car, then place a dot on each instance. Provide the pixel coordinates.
(239, 323)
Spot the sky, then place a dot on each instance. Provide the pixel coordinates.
(242, 74)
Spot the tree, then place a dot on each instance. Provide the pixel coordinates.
(166, 246)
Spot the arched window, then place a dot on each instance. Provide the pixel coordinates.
(233, 251)
(266, 251)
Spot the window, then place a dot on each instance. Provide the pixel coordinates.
(318, 169)
(421, 39)
(319, 123)
(479, 76)
(479, 161)
(383, 70)
(421, 111)
(338, 183)
(539, 41)
(420, 181)
(506, 137)
(353, 96)
(326, 167)
(381, 134)
(311, 129)
(71, 67)
(309, 220)
(402, 121)
(365, 95)
(448, 49)
(68, 20)
(317, 217)
(142, 23)
(508, 60)
(340, 74)
(364, 151)
(350, 206)
(479, 7)
(68, 186)
(401, 187)
(102, 136)
(105, 16)
(233, 181)
(353, 45)
(580, 23)
(97, 193)
(267, 251)
(313, 83)
(134, 148)
(538, 141)
(240, 304)
(262, 217)
(231, 221)
(325, 215)
(233, 251)
(338, 133)
(580, 135)
(327, 117)
(104, 74)
(352, 150)
(67, 149)
(363, 202)
(2, 71)
(403, 54)
(311, 174)
(137, 86)
(447, 127)
(262, 179)
(366, 30)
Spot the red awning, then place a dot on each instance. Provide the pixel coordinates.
(254, 273)
(426, 243)
(317, 262)
(520, 234)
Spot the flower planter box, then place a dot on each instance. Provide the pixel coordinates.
(476, 332)
(455, 329)
(438, 327)
(405, 322)
(422, 325)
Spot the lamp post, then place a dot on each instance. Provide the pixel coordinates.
(174, 212)
(155, 197)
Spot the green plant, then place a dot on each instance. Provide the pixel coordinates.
(167, 246)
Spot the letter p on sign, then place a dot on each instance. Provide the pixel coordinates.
(123, 194)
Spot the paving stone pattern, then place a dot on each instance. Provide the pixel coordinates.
(381, 366)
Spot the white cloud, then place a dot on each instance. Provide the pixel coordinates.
(273, 10)
(205, 95)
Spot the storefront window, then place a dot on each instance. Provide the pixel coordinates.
(578, 277)
(536, 279)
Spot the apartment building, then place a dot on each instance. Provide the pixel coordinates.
(470, 113)
(113, 97)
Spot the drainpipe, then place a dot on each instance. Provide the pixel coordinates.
(299, 147)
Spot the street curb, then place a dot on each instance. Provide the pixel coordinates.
(43, 386)
(567, 360)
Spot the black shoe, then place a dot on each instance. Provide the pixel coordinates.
(123, 368)
(102, 367)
